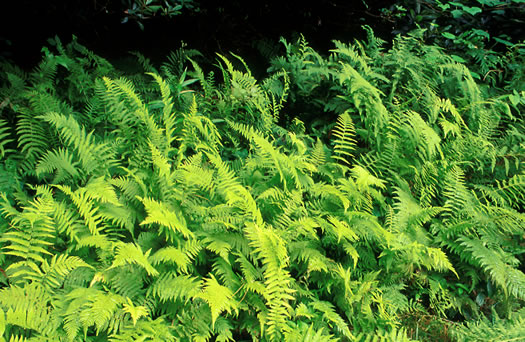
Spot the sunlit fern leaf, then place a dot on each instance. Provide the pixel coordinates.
(426, 138)
(92, 307)
(94, 157)
(57, 269)
(272, 252)
(394, 335)
(171, 255)
(168, 116)
(132, 254)
(165, 215)
(171, 287)
(86, 206)
(455, 192)
(218, 297)
(156, 330)
(318, 154)
(367, 99)
(233, 191)
(27, 307)
(509, 192)
(126, 281)
(62, 162)
(310, 254)
(366, 181)
(32, 230)
(305, 333)
(344, 142)
(33, 135)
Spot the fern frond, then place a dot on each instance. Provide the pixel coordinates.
(233, 191)
(511, 280)
(344, 143)
(5, 138)
(62, 162)
(497, 329)
(166, 216)
(218, 297)
(170, 287)
(55, 271)
(128, 254)
(305, 333)
(330, 316)
(86, 206)
(33, 228)
(509, 192)
(272, 252)
(171, 255)
(27, 307)
(92, 155)
(455, 191)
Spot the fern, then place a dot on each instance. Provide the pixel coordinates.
(169, 209)
(344, 133)
(278, 291)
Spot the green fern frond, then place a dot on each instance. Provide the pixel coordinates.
(92, 155)
(125, 281)
(233, 191)
(156, 330)
(32, 229)
(62, 162)
(455, 192)
(305, 333)
(278, 293)
(91, 307)
(55, 271)
(83, 199)
(33, 135)
(497, 329)
(132, 254)
(171, 255)
(344, 143)
(332, 318)
(165, 215)
(318, 154)
(394, 335)
(510, 279)
(509, 192)
(168, 116)
(218, 297)
(170, 287)
(27, 307)
(5, 138)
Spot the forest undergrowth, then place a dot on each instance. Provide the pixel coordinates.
(371, 194)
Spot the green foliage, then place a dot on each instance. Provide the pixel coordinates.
(172, 206)
(485, 34)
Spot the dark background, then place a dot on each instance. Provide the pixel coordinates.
(219, 26)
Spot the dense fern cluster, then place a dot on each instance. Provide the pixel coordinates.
(171, 205)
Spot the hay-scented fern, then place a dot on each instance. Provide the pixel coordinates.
(146, 209)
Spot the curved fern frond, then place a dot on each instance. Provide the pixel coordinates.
(165, 216)
(129, 254)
